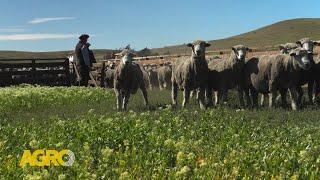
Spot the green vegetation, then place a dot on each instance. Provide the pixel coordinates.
(216, 143)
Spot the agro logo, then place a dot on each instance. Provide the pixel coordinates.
(43, 158)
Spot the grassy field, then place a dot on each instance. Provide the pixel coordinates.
(160, 143)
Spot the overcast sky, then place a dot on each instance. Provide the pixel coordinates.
(47, 25)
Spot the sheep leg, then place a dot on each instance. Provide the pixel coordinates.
(278, 98)
(241, 99)
(225, 96)
(254, 95)
(186, 97)
(273, 93)
(126, 97)
(316, 90)
(311, 92)
(192, 94)
(166, 85)
(201, 97)
(119, 98)
(215, 98)
(262, 100)
(263, 97)
(272, 98)
(294, 97)
(161, 86)
(217, 95)
(145, 95)
(283, 93)
(174, 93)
(300, 95)
(197, 94)
(209, 96)
(248, 99)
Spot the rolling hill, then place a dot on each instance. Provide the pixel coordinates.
(267, 37)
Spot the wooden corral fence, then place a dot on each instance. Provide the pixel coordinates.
(96, 74)
(49, 72)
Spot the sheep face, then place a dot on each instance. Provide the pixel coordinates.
(286, 48)
(127, 59)
(149, 71)
(307, 44)
(126, 56)
(112, 65)
(240, 51)
(302, 57)
(199, 48)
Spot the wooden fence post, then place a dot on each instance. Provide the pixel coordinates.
(33, 71)
(67, 69)
(102, 74)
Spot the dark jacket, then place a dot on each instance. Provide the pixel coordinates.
(84, 55)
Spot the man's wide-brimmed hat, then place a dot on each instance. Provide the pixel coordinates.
(83, 36)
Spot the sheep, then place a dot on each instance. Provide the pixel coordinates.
(153, 78)
(308, 76)
(164, 77)
(317, 79)
(307, 44)
(109, 77)
(273, 73)
(191, 73)
(286, 48)
(128, 79)
(226, 74)
(146, 77)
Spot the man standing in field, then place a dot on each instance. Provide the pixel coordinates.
(85, 59)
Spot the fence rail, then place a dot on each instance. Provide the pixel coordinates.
(51, 72)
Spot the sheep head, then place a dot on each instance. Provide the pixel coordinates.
(199, 48)
(307, 44)
(126, 56)
(286, 48)
(302, 57)
(240, 51)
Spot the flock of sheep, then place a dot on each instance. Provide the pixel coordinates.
(285, 72)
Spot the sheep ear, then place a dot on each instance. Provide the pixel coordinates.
(281, 47)
(248, 49)
(299, 43)
(190, 45)
(292, 53)
(208, 44)
(316, 43)
(233, 49)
